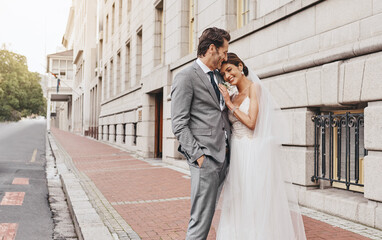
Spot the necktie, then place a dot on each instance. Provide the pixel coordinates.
(214, 84)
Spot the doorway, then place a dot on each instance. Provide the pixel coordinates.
(158, 124)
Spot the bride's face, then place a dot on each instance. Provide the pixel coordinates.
(231, 73)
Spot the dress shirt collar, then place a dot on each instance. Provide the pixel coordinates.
(203, 66)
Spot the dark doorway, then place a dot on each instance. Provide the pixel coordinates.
(158, 124)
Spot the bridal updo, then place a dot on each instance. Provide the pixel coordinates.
(232, 58)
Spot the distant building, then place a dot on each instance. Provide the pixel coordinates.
(321, 60)
(60, 90)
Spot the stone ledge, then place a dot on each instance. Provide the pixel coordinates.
(344, 204)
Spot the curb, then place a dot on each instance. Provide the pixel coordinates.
(88, 224)
(62, 219)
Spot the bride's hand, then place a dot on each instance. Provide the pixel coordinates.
(224, 92)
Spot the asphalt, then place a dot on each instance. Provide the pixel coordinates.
(22, 156)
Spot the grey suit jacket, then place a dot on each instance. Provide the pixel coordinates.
(197, 120)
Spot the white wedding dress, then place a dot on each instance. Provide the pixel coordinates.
(256, 202)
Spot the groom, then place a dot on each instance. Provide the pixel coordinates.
(200, 123)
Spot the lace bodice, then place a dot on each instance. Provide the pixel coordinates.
(239, 130)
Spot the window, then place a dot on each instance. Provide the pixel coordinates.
(69, 74)
(101, 131)
(159, 28)
(134, 134)
(108, 132)
(118, 77)
(124, 133)
(127, 66)
(55, 67)
(115, 132)
(339, 149)
(138, 64)
(62, 70)
(111, 81)
(191, 22)
(242, 12)
(79, 75)
(120, 12)
(104, 91)
(55, 64)
(107, 28)
(112, 19)
(63, 64)
(128, 6)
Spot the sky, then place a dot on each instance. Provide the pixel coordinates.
(33, 28)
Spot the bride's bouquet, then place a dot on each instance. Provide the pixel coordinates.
(232, 90)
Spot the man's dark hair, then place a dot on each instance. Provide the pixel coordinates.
(213, 36)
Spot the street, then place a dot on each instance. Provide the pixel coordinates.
(24, 207)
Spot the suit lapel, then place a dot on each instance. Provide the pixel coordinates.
(207, 83)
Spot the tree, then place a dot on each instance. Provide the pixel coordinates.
(20, 91)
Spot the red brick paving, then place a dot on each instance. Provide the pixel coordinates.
(13, 198)
(8, 231)
(318, 230)
(122, 178)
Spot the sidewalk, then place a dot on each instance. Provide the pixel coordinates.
(149, 199)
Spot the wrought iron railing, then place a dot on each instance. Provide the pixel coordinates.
(338, 148)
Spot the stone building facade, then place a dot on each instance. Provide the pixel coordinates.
(58, 90)
(80, 36)
(321, 60)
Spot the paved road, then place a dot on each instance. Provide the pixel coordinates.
(24, 208)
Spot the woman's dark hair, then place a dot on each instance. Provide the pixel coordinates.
(232, 58)
(213, 36)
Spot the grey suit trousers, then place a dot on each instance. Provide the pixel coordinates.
(206, 185)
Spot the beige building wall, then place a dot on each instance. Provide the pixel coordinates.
(313, 55)
(81, 36)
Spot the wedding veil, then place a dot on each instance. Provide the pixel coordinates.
(273, 203)
(270, 132)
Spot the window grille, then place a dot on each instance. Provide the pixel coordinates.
(339, 149)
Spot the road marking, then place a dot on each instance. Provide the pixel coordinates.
(13, 198)
(34, 155)
(21, 181)
(8, 231)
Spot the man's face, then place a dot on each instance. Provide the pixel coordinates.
(220, 55)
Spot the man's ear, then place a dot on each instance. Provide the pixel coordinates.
(212, 47)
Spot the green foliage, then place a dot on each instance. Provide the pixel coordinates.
(20, 90)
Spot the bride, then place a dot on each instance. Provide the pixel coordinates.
(258, 200)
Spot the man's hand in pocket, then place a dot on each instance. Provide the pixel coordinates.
(200, 161)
